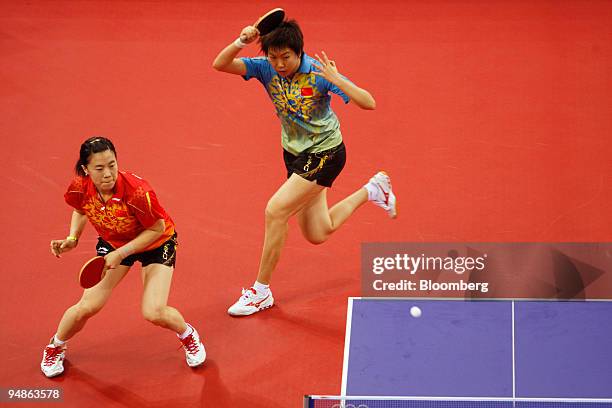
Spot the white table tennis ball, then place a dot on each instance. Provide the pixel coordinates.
(415, 311)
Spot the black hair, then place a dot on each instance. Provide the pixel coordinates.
(90, 146)
(287, 34)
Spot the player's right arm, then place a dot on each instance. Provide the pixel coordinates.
(226, 61)
(77, 224)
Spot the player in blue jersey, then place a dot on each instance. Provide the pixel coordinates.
(314, 153)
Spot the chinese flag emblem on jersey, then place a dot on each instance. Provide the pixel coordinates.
(307, 92)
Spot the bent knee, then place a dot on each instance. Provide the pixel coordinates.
(316, 239)
(153, 314)
(87, 310)
(275, 211)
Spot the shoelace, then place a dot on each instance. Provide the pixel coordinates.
(51, 354)
(248, 293)
(381, 183)
(190, 344)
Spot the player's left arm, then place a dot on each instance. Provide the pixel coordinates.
(151, 216)
(328, 70)
(143, 240)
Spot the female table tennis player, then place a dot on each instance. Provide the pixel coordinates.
(132, 226)
(313, 150)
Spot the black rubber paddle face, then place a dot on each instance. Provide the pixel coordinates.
(270, 21)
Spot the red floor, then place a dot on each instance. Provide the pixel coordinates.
(493, 119)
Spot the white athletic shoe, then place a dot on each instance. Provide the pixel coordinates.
(383, 194)
(195, 353)
(251, 302)
(52, 363)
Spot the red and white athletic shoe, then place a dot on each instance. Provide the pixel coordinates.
(250, 302)
(52, 363)
(383, 195)
(195, 353)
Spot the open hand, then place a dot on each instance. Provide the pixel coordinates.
(327, 69)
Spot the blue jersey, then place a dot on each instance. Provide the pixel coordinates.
(302, 104)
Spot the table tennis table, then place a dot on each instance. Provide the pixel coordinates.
(476, 353)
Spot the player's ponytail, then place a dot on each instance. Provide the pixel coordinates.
(90, 146)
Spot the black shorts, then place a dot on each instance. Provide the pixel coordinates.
(164, 254)
(323, 166)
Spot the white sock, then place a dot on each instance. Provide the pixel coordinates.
(57, 342)
(261, 288)
(187, 332)
(372, 191)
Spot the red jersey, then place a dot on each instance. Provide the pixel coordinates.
(132, 209)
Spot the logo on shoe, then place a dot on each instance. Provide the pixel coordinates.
(386, 194)
(257, 304)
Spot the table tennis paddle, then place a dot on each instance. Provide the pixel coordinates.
(269, 21)
(92, 272)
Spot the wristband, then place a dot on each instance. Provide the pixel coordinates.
(72, 238)
(238, 43)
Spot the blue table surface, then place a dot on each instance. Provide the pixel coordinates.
(467, 349)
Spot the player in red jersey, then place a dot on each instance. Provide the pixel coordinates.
(132, 226)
